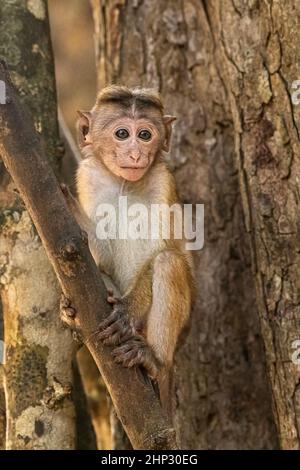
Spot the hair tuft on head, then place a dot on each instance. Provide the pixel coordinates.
(128, 97)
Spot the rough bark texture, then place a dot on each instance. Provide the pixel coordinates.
(260, 49)
(221, 387)
(38, 370)
(147, 426)
(97, 398)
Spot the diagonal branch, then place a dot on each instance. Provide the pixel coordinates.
(136, 403)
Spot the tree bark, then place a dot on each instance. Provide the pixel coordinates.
(67, 248)
(221, 389)
(38, 373)
(259, 44)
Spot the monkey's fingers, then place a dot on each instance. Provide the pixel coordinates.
(111, 299)
(112, 318)
(136, 352)
(115, 334)
(115, 329)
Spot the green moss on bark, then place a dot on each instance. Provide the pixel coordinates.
(25, 45)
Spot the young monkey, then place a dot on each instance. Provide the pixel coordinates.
(149, 282)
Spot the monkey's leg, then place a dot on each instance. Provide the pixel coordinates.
(169, 310)
(171, 303)
(169, 313)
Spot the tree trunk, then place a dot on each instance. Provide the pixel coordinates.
(222, 396)
(38, 373)
(259, 42)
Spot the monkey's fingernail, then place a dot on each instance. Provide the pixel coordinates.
(111, 300)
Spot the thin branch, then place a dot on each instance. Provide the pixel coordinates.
(135, 401)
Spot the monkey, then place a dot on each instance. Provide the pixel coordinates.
(123, 140)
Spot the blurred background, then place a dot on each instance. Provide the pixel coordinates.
(72, 30)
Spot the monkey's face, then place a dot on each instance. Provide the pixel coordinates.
(125, 138)
(128, 146)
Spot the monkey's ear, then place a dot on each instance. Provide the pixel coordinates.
(168, 120)
(83, 128)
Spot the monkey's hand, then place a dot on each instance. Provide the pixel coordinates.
(131, 349)
(116, 328)
(136, 352)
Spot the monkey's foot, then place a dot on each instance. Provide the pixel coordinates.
(116, 328)
(67, 315)
(67, 312)
(136, 352)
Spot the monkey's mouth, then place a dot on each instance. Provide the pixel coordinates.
(133, 167)
(132, 173)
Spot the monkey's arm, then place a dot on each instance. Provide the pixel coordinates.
(171, 303)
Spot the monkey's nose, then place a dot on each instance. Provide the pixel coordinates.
(135, 157)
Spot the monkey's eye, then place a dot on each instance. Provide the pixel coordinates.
(144, 134)
(122, 134)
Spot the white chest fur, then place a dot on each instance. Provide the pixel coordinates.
(107, 200)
